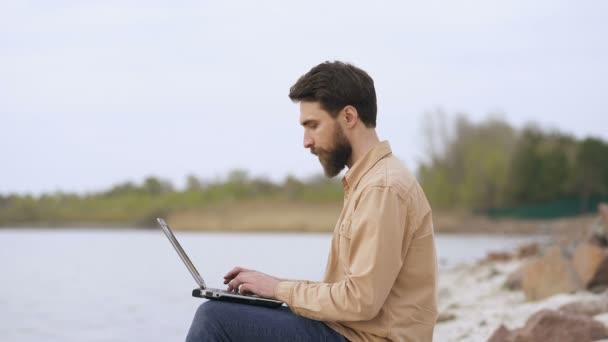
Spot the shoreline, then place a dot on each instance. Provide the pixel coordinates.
(473, 301)
(322, 219)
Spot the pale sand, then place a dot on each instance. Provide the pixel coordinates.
(474, 294)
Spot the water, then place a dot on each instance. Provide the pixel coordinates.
(111, 285)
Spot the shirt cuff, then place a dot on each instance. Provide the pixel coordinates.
(284, 291)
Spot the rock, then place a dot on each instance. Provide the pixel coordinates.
(597, 235)
(502, 334)
(445, 316)
(601, 227)
(599, 289)
(454, 306)
(498, 256)
(556, 326)
(549, 275)
(591, 264)
(587, 308)
(553, 326)
(525, 251)
(514, 280)
(493, 273)
(596, 240)
(602, 209)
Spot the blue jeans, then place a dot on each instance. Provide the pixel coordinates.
(222, 321)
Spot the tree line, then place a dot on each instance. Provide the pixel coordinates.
(491, 164)
(472, 166)
(140, 203)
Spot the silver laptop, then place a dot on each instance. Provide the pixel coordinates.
(216, 294)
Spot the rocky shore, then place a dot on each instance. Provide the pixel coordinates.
(556, 292)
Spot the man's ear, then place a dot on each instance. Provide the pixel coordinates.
(351, 116)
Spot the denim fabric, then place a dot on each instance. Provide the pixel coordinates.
(222, 321)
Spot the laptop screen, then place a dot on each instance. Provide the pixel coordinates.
(182, 254)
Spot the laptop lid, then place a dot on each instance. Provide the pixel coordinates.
(178, 248)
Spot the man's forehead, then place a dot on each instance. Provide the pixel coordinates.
(310, 111)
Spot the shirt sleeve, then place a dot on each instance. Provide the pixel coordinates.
(300, 281)
(378, 237)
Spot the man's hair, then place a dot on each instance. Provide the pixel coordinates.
(336, 85)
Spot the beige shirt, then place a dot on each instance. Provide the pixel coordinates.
(381, 278)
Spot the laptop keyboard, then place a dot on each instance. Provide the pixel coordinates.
(219, 290)
(232, 293)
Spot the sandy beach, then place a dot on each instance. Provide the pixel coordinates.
(473, 301)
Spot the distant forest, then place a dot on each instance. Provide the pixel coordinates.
(469, 166)
(140, 204)
(491, 164)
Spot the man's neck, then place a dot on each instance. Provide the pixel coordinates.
(362, 145)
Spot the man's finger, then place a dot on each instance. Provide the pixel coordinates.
(247, 289)
(233, 273)
(234, 284)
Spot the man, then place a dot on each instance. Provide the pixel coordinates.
(381, 278)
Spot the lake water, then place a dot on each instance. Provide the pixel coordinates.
(126, 285)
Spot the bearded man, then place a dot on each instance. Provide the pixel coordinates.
(380, 283)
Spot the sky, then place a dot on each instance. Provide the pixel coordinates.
(94, 93)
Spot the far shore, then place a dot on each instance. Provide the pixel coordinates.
(320, 218)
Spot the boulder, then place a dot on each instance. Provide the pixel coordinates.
(553, 326)
(591, 264)
(602, 233)
(549, 275)
(528, 250)
(556, 326)
(502, 334)
(587, 308)
(602, 209)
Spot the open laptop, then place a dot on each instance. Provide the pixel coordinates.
(216, 294)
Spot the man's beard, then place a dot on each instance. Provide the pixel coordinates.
(334, 160)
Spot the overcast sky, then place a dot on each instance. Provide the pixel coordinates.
(98, 92)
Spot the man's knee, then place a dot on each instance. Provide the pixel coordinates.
(205, 311)
(205, 325)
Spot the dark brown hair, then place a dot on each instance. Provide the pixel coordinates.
(337, 85)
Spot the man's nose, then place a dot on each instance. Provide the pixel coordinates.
(308, 143)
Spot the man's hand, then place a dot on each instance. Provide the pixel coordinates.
(249, 281)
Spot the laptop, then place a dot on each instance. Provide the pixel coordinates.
(215, 294)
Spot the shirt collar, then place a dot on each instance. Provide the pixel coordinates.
(362, 166)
